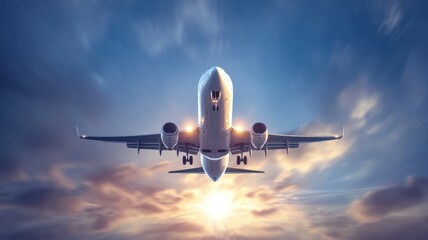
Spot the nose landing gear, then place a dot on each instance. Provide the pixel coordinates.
(188, 159)
(240, 159)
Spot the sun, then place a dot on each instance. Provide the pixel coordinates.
(218, 204)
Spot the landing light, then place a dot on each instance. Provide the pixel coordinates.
(239, 128)
(189, 128)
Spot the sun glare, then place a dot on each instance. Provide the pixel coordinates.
(189, 128)
(239, 128)
(218, 204)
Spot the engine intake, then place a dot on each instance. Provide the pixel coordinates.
(169, 135)
(259, 135)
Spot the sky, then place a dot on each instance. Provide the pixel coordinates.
(128, 67)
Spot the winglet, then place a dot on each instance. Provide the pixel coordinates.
(78, 134)
(343, 133)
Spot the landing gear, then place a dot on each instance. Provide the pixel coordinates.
(215, 107)
(240, 159)
(188, 159)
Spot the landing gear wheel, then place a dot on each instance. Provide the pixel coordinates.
(191, 160)
(238, 160)
(184, 160)
(245, 160)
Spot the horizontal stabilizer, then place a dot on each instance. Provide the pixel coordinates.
(229, 170)
(198, 170)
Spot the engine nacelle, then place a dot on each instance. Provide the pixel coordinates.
(259, 135)
(169, 135)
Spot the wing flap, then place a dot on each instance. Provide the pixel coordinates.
(155, 146)
(282, 146)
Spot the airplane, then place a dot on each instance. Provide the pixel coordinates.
(215, 138)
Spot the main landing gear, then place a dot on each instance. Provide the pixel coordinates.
(187, 159)
(240, 159)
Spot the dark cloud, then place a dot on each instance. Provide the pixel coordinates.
(46, 200)
(333, 226)
(149, 208)
(180, 230)
(264, 212)
(125, 177)
(380, 203)
(263, 194)
(344, 227)
(47, 87)
(52, 232)
(105, 220)
(184, 227)
(393, 229)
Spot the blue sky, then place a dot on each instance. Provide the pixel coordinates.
(127, 67)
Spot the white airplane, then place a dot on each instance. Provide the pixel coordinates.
(215, 137)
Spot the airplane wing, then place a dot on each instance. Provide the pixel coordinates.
(187, 141)
(241, 141)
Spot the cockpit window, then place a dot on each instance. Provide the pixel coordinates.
(215, 96)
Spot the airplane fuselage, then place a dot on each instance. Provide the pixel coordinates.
(215, 104)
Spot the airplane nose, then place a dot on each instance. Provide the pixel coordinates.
(215, 76)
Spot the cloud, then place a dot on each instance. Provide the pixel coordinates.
(341, 56)
(387, 201)
(391, 16)
(46, 200)
(393, 228)
(179, 227)
(194, 26)
(334, 225)
(264, 212)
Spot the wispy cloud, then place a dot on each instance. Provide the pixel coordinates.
(194, 26)
(390, 14)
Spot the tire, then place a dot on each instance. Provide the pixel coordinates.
(191, 160)
(238, 160)
(245, 160)
(184, 160)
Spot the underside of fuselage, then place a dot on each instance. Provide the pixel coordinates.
(215, 99)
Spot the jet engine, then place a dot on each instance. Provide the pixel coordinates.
(169, 135)
(259, 135)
